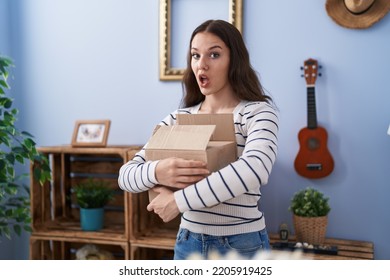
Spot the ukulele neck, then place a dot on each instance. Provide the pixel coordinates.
(311, 107)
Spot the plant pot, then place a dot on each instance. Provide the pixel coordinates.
(92, 219)
(310, 229)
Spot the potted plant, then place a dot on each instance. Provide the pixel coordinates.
(16, 149)
(92, 196)
(310, 210)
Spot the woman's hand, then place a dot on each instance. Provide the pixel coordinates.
(164, 204)
(180, 173)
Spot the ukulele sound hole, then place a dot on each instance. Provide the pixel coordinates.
(313, 143)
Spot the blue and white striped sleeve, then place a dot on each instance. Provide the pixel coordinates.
(138, 175)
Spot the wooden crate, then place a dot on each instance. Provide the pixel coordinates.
(55, 212)
(147, 229)
(65, 248)
(346, 249)
(150, 253)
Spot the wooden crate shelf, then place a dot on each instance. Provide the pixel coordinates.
(148, 230)
(143, 221)
(65, 247)
(151, 253)
(76, 232)
(347, 249)
(54, 211)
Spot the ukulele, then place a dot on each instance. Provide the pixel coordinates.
(313, 159)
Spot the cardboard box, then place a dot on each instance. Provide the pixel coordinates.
(205, 137)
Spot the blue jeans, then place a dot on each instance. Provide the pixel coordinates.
(245, 244)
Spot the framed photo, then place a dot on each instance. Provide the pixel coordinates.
(93, 133)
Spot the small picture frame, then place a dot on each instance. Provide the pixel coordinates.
(92, 133)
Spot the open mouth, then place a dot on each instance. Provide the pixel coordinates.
(203, 80)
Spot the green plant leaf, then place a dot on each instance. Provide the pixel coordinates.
(27, 228)
(3, 83)
(37, 173)
(16, 148)
(2, 164)
(93, 193)
(309, 203)
(17, 229)
(19, 158)
(9, 118)
(6, 61)
(11, 171)
(29, 143)
(45, 176)
(6, 102)
(10, 158)
(25, 133)
(7, 232)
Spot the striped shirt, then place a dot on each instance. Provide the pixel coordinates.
(226, 202)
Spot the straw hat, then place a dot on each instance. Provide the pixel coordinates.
(357, 14)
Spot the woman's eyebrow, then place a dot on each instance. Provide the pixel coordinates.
(211, 48)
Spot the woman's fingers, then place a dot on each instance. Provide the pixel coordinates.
(176, 172)
(164, 204)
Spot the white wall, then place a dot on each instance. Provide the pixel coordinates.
(99, 59)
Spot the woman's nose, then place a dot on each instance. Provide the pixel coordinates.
(203, 65)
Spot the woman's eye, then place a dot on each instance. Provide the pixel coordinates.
(195, 56)
(214, 55)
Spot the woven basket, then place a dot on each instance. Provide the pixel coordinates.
(310, 229)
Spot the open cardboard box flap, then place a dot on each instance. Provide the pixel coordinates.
(224, 123)
(181, 137)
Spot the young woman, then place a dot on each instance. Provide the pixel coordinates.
(220, 209)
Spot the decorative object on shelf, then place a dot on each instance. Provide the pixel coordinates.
(306, 248)
(283, 233)
(310, 210)
(93, 133)
(357, 14)
(93, 252)
(92, 196)
(17, 147)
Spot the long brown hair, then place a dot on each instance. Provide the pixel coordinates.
(242, 76)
